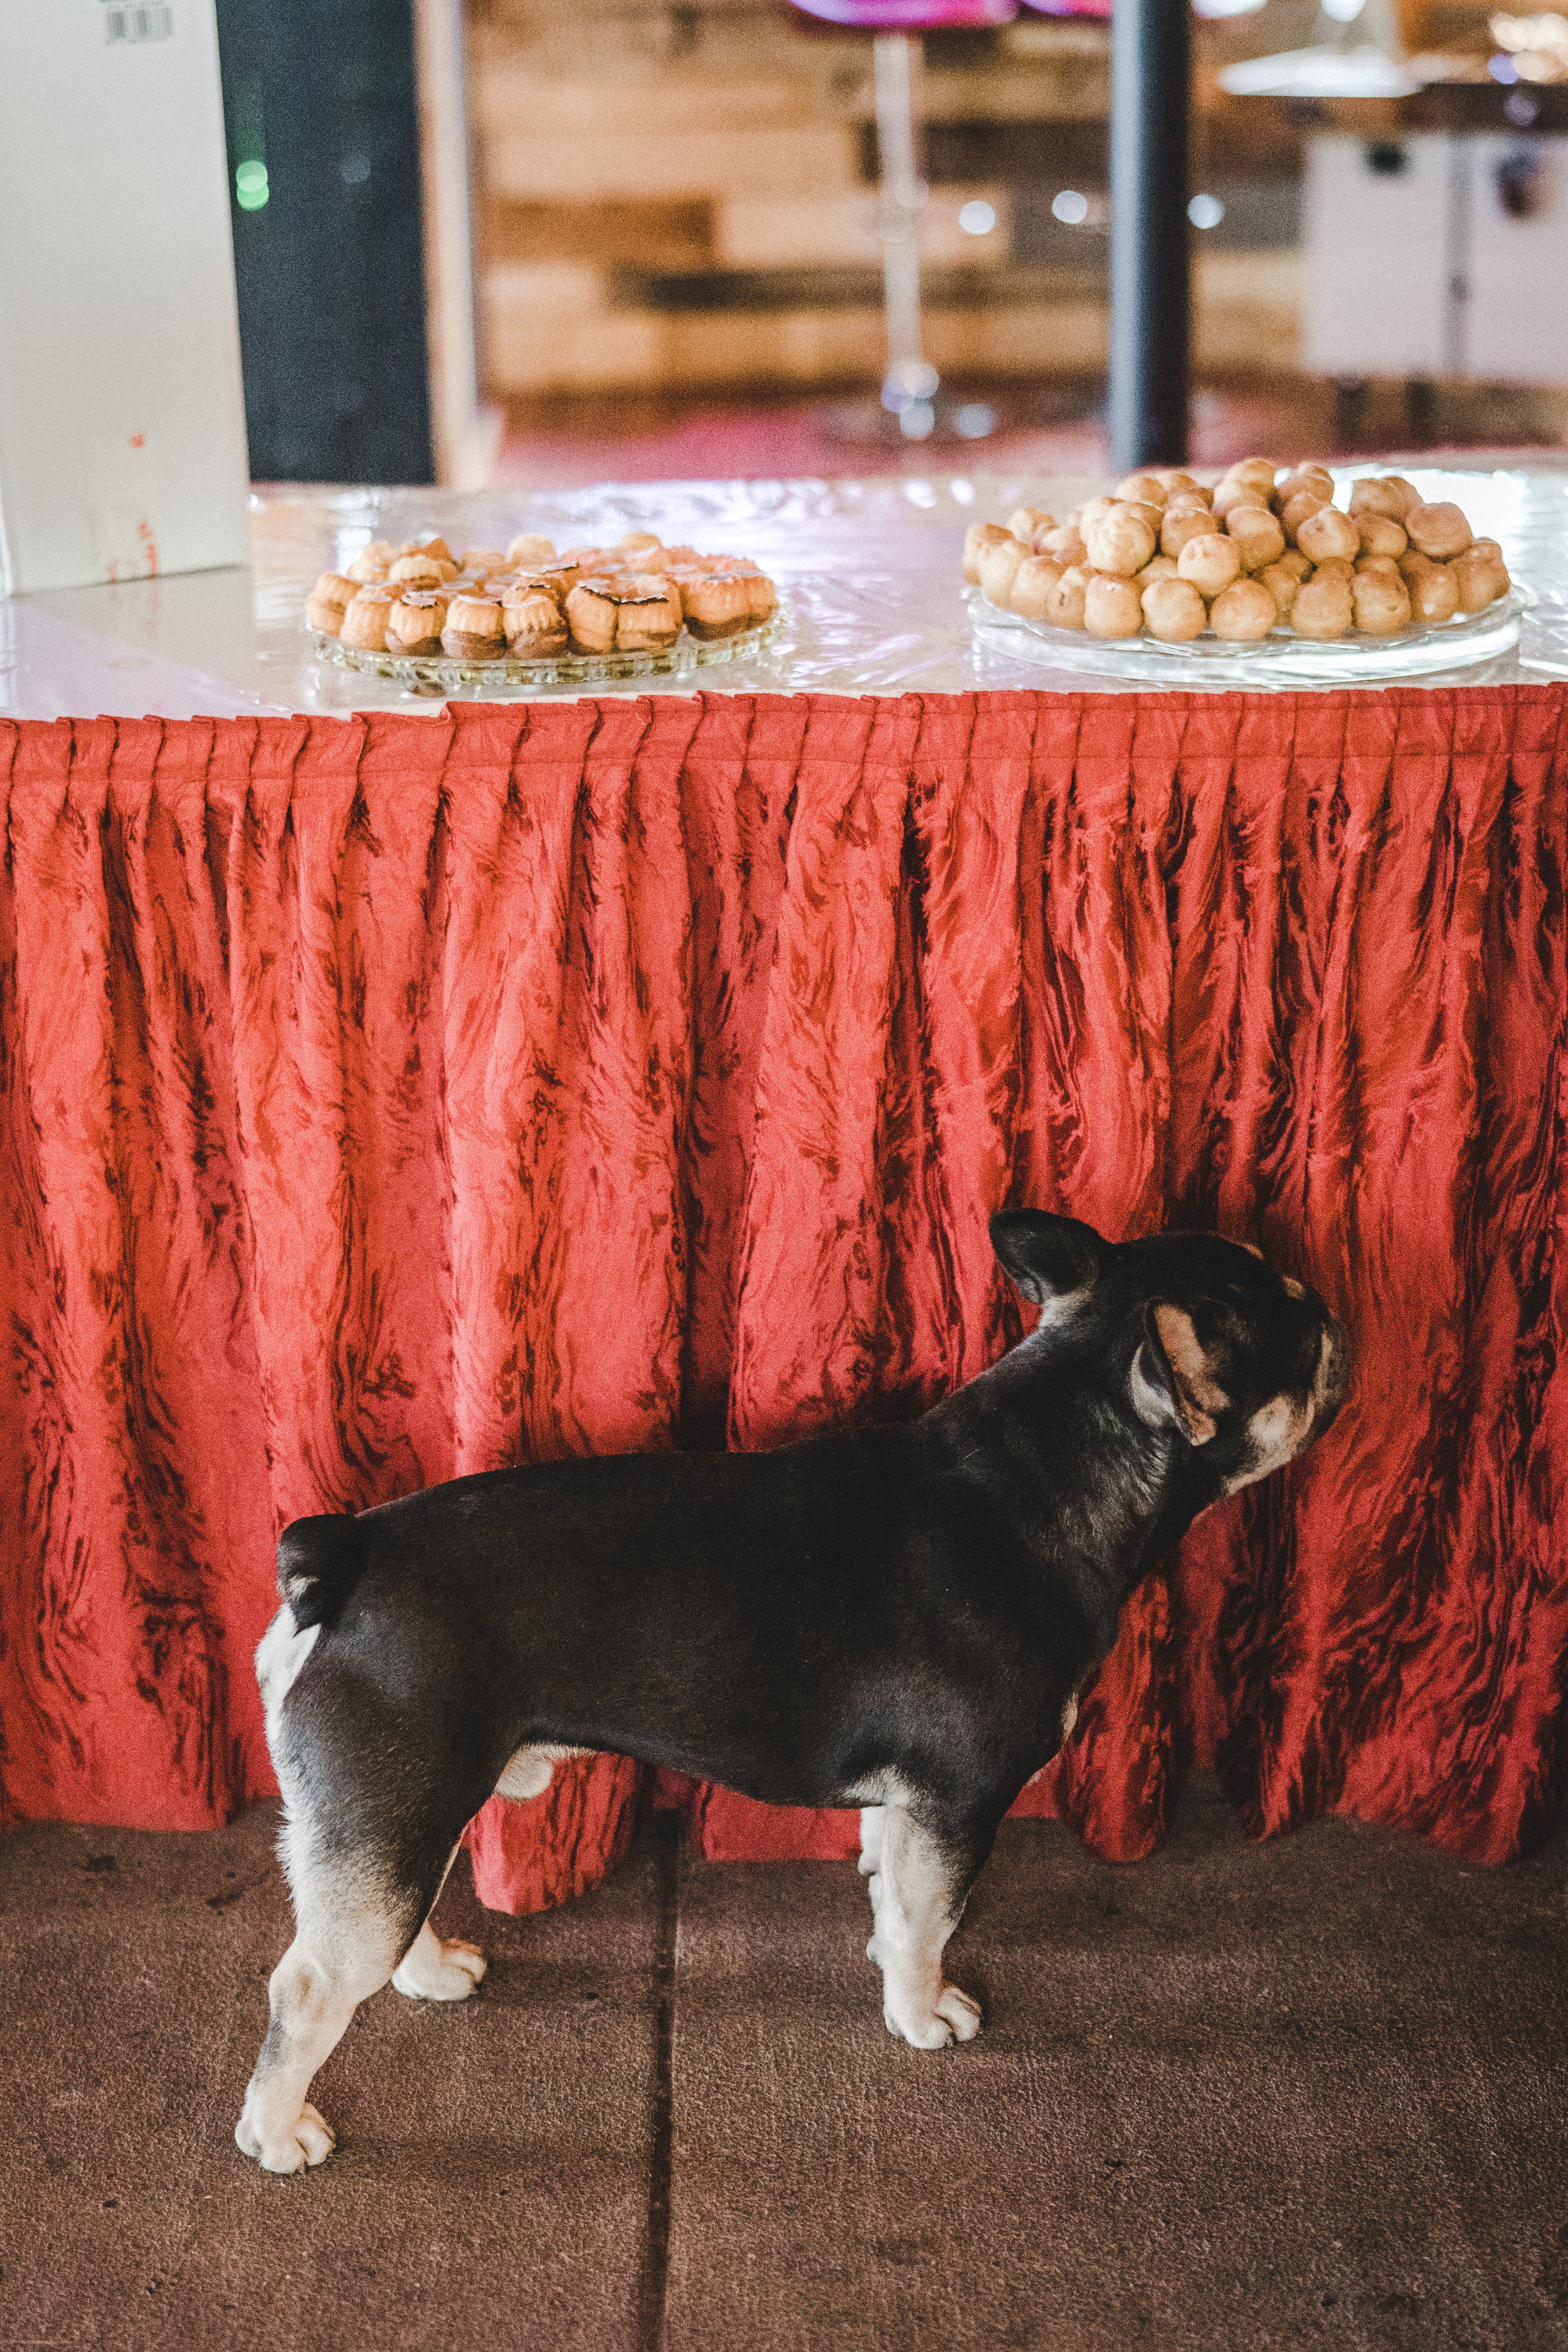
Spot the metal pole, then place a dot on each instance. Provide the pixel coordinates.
(1149, 267)
(909, 383)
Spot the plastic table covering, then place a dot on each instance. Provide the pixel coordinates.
(868, 571)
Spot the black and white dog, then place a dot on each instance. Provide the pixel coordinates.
(894, 1618)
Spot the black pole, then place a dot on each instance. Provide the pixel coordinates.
(1148, 71)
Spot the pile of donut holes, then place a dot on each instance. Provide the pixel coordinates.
(1263, 550)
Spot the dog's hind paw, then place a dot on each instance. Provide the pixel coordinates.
(309, 2139)
(954, 2017)
(434, 1969)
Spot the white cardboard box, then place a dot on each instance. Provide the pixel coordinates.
(121, 411)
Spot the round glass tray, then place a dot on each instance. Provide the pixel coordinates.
(439, 674)
(1281, 658)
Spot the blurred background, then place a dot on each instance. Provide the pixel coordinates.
(533, 243)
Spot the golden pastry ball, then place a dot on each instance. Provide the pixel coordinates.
(1433, 590)
(1479, 577)
(1173, 610)
(1260, 535)
(1379, 496)
(1322, 608)
(1027, 522)
(1033, 581)
(1244, 611)
(1182, 523)
(1440, 531)
(1159, 567)
(1112, 606)
(1380, 604)
(1119, 540)
(1145, 490)
(1066, 543)
(1329, 532)
(1065, 609)
(978, 536)
(1211, 564)
(1304, 478)
(1172, 480)
(999, 559)
(1378, 563)
(1281, 584)
(1298, 509)
(1379, 534)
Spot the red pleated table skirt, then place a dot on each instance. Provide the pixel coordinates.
(391, 1098)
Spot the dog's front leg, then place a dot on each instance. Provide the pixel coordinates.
(917, 1890)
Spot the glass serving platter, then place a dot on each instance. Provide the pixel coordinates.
(443, 674)
(1281, 658)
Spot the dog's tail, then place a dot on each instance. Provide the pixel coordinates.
(318, 1561)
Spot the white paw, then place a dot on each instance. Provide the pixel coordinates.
(309, 2139)
(954, 2018)
(434, 1970)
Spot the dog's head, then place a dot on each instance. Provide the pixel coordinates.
(1200, 1336)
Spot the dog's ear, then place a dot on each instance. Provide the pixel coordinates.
(1049, 1258)
(1173, 1383)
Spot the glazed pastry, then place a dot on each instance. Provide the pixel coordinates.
(364, 623)
(633, 543)
(1379, 534)
(472, 630)
(415, 623)
(372, 562)
(719, 604)
(419, 570)
(328, 600)
(637, 613)
(534, 625)
(1259, 535)
(482, 560)
(435, 546)
(531, 547)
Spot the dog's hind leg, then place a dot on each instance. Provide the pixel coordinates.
(871, 1822)
(923, 1875)
(357, 1914)
(438, 1967)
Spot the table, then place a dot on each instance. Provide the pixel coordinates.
(346, 1069)
(868, 571)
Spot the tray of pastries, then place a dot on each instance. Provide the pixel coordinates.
(1265, 573)
(530, 617)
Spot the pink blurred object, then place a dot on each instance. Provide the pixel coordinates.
(908, 15)
(1070, 8)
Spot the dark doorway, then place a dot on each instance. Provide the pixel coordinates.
(319, 106)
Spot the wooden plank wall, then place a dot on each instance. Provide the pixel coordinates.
(681, 199)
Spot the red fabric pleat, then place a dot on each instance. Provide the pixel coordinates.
(385, 1099)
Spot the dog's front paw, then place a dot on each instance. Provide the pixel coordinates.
(434, 1970)
(309, 2139)
(953, 2018)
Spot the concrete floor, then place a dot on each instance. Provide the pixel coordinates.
(1314, 2093)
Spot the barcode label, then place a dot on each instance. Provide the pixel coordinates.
(153, 20)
